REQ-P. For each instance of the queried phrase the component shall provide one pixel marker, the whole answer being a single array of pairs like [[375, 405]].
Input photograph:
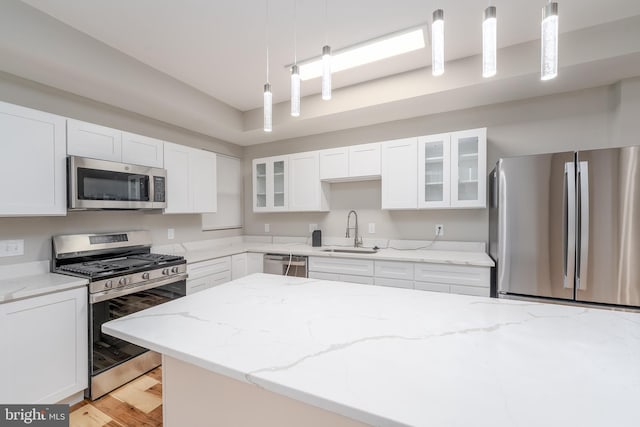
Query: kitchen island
[[276, 350]]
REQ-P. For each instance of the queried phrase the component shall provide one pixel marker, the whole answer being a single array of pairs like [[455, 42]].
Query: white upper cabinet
[[469, 168], [364, 160], [32, 162], [176, 162], [94, 141], [306, 192], [334, 164], [271, 184], [400, 174], [142, 150], [104, 143], [356, 162], [434, 178], [191, 179]]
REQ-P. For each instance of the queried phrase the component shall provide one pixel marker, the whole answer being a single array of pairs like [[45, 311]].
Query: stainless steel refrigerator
[[567, 226]]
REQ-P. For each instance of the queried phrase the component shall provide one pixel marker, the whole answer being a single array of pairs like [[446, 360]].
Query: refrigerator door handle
[[583, 198], [569, 225]]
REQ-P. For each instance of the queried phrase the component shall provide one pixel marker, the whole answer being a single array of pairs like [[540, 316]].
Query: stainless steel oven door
[[108, 353]]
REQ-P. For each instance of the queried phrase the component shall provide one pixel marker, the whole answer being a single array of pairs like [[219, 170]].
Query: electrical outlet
[[439, 230], [11, 248], [267, 228], [372, 228], [171, 233], [313, 227]]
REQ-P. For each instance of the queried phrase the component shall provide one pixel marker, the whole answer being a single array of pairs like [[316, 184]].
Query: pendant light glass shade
[[295, 91], [489, 42], [549, 42], [268, 104], [437, 43], [326, 73]]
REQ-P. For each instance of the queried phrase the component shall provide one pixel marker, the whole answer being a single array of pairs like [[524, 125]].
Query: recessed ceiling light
[[365, 53]]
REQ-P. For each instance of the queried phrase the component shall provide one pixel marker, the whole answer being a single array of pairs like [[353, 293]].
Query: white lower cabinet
[[459, 279], [393, 283], [255, 263], [349, 278], [349, 266], [207, 274], [45, 349]]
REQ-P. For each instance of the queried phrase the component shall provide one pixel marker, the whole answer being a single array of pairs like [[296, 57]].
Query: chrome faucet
[[356, 242]]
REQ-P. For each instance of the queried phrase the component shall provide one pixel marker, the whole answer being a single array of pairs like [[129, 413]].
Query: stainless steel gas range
[[124, 277]]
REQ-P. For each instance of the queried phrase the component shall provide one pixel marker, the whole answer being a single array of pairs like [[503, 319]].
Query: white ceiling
[[219, 47]]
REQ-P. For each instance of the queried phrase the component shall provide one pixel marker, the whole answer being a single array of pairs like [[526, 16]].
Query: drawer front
[[470, 290], [212, 266], [394, 270], [394, 283], [433, 287], [202, 283], [363, 280], [453, 274], [358, 267]]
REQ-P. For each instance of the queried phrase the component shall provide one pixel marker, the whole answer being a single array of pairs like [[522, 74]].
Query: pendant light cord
[[266, 30], [326, 22], [295, 32]]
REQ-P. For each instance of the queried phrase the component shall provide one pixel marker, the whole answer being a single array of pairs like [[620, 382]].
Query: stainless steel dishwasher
[[289, 265]]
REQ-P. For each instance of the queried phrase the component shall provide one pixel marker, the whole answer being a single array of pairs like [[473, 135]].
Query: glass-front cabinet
[[434, 171], [452, 170], [270, 184], [469, 168]]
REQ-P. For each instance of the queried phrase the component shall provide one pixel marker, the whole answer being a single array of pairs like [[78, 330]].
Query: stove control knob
[[108, 284], [174, 270], [165, 271], [122, 281], [145, 276]]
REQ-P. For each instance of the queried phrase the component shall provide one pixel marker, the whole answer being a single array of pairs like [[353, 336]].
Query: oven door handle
[[107, 295]]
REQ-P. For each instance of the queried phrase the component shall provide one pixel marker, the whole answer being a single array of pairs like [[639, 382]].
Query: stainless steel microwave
[[99, 184]]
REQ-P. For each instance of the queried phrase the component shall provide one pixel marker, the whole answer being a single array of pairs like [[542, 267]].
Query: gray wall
[[594, 118], [37, 231]]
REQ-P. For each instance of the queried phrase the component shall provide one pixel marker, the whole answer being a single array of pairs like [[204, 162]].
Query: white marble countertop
[[412, 255], [31, 279], [397, 357]]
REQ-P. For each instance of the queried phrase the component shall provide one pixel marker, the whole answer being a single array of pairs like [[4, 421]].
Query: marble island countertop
[[28, 280], [396, 357]]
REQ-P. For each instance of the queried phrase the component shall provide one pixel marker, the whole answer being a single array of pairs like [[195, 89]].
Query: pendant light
[[326, 60], [437, 43], [489, 42], [268, 101], [549, 41], [295, 71]]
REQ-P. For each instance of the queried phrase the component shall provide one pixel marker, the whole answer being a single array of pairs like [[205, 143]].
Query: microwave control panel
[[158, 188]]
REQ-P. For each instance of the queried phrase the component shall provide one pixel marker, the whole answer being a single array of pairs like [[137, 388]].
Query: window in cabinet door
[[278, 184], [468, 168], [261, 185]]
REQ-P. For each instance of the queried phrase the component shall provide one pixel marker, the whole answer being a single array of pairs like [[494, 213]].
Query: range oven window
[[94, 184], [108, 351]]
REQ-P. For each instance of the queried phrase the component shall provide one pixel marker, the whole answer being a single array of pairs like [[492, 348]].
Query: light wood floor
[[138, 403]]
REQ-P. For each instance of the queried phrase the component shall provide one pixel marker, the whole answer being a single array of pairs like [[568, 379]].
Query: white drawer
[[470, 290], [205, 268], [358, 267], [363, 280], [434, 287], [394, 270], [202, 283], [453, 274], [394, 283]]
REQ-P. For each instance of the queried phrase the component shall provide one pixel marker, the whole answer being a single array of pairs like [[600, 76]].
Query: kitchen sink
[[352, 251]]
